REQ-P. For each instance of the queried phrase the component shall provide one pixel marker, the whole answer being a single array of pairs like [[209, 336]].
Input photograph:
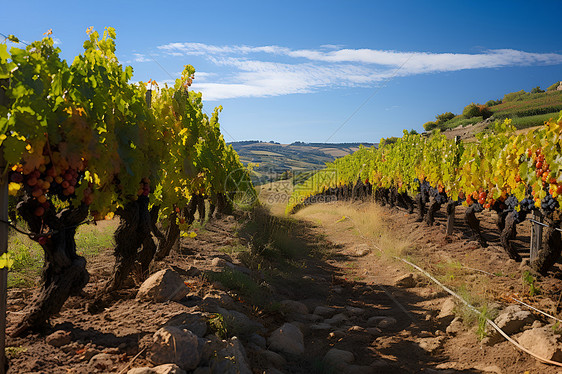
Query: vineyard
[[513, 175], [82, 141]]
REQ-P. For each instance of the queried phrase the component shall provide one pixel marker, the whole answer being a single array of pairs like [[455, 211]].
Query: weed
[[14, 352], [218, 325], [529, 279]]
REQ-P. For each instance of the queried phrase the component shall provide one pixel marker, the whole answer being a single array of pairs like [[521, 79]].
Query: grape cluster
[[527, 204], [511, 202], [549, 204]]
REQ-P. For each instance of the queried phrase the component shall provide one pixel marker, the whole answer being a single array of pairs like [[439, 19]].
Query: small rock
[[430, 345], [360, 250], [543, 342], [338, 359], [511, 320], [320, 326], [59, 338], [232, 359], [354, 311], [175, 345], [194, 322], [168, 369], [337, 319], [257, 340], [338, 290], [489, 369], [219, 298], [162, 286], [287, 339], [446, 315], [387, 322], [524, 264], [274, 358], [406, 281], [144, 370], [324, 311], [239, 323], [358, 369], [292, 306], [374, 331], [218, 262], [102, 362], [455, 327]]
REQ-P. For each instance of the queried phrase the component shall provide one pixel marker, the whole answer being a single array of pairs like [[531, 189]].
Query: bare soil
[[322, 269]]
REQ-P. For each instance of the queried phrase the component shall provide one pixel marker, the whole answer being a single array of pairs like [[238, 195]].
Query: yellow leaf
[[6, 261]]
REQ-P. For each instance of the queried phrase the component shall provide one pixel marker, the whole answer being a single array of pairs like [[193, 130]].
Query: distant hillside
[[525, 109], [281, 161]]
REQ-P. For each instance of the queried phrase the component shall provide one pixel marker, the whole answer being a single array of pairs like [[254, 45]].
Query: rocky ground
[[318, 293]]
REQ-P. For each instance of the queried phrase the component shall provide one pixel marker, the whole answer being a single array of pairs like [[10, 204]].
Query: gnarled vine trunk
[[508, 234], [421, 207], [474, 223], [433, 208], [64, 272]]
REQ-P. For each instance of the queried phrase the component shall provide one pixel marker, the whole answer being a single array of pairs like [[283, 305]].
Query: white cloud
[[140, 58], [274, 70]]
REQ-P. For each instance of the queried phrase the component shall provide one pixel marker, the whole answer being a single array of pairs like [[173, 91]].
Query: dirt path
[[386, 233], [321, 271]]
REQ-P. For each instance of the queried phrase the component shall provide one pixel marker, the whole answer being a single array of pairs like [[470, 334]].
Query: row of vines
[[81, 140], [511, 174]]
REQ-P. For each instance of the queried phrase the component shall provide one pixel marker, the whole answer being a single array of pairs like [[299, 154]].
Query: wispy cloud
[[274, 70]]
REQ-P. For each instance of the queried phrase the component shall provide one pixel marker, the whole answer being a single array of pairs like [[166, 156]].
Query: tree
[[430, 125], [442, 118], [537, 90]]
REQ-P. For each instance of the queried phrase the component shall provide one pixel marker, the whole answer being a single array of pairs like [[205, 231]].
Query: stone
[[446, 314], [231, 359], [406, 281], [324, 311], [287, 339], [336, 319], [274, 358], [511, 320], [431, 345], [354, 311], [374, 331], [292, 306], [359, 369], [219, 298], [194, 322], [59, 338], [218, 262], [168, 369], [144, 370], [543, 342], [238, 323], [257, 340], [162, 286], [386, 323], [360, 250], [320, 326], [102, 362], [338, 359], [175, 345], [455, 327]]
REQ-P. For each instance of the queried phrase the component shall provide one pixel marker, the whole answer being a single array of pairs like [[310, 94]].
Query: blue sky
[[316, 71]]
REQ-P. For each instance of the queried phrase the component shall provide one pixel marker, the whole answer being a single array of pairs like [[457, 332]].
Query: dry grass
[[367, 221]]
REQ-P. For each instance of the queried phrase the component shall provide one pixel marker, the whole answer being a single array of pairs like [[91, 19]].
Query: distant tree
[[493, 102], [537, 90], [413, 132], [554, 87], [471, 110], [428, 126], [513, 96], [442, 118], [476, 110], [391, 140]]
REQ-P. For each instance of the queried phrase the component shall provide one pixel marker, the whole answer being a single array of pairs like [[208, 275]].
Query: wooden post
[[536, 236], [148, 98], [3, 242]]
